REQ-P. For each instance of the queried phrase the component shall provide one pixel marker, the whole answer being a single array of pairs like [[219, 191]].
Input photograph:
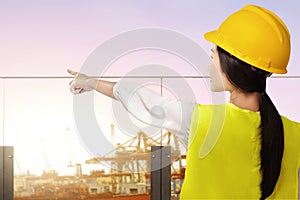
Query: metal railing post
[[6, 173], [160, 172]]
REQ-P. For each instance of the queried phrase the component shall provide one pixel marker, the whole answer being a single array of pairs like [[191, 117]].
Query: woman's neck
[[249, 101]]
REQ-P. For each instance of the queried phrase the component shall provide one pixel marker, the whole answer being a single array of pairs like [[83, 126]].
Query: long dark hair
[[250, 79]]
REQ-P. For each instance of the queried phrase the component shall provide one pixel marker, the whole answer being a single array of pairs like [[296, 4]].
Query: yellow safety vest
[[223, 158]]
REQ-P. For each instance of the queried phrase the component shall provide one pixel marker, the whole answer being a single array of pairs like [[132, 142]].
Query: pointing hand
[[81, 83]]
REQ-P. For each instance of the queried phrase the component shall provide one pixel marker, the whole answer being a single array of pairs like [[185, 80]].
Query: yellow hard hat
[[256, 36]]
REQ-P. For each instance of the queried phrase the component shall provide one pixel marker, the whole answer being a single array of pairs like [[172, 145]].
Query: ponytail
[[251, 79], [272, 144]]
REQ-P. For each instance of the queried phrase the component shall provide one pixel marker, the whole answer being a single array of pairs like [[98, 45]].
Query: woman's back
[[230, 168]]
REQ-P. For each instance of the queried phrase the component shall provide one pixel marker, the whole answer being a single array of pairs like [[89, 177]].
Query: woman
[[257, 154]]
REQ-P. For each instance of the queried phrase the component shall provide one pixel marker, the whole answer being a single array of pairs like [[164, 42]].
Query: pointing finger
[[72, 72]]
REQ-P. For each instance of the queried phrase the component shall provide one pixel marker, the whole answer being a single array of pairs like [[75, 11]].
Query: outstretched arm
[[143, 103]]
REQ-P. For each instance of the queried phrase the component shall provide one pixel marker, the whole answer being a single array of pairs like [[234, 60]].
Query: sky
[[44, 38]]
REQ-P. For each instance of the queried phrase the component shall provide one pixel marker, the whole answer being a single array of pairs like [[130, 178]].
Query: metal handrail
[[107, 76]]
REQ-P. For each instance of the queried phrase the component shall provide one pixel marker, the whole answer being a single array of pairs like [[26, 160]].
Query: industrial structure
[[129, 173]]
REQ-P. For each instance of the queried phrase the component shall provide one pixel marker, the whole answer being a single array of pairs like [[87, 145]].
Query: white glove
[[81, 83]]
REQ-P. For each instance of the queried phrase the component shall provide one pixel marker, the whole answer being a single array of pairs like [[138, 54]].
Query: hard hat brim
[[211, 37]]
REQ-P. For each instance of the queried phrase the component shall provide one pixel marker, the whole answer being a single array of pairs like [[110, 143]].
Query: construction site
[[128, 176]]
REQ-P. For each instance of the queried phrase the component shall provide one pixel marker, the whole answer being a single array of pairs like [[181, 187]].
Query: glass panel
[[38, 123], [54, 158]]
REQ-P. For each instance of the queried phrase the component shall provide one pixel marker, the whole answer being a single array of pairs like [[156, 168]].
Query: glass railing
[[59, 154]]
